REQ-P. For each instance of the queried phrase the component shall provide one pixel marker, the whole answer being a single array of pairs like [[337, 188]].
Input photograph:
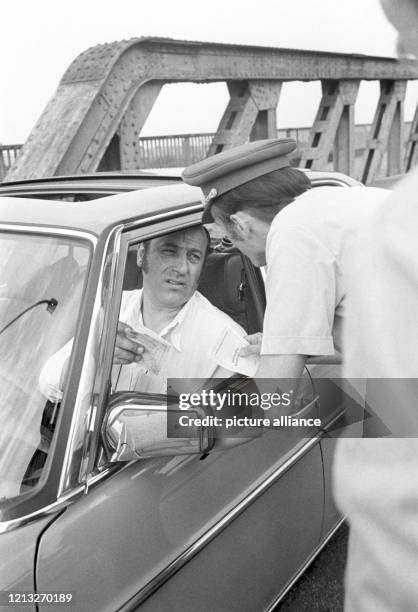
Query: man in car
[[268, 211], [167, 329]]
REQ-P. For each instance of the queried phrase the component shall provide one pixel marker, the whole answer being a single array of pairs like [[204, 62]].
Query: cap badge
[[211, 195]]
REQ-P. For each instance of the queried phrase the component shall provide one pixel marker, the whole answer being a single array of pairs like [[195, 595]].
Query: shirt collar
[[173, 329]]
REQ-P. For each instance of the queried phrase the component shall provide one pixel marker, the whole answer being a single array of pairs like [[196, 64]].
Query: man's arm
[[335, 359], [281, 366], [53, 375], [280, 374]]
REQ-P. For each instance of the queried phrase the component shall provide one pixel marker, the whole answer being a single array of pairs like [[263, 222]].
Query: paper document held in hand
[[155, 349], [226, 354]]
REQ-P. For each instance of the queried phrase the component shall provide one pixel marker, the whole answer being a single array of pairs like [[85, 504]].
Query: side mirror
[[135, 427]]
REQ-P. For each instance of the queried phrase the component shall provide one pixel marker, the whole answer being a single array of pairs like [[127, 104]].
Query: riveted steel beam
[[333, 128], [386, 132], [2, 168], [411, 158], [250, 114], [266, 95], [96, 92], [133, 122]]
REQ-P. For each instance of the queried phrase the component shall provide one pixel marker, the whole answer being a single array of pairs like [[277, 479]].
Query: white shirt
[[307, 251], [376, 480], [193, 335]]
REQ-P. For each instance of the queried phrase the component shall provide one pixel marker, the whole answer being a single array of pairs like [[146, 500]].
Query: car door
[[224, 531], [337, 421]]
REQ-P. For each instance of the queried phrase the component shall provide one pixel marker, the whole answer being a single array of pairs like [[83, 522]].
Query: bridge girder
[[106, 94]]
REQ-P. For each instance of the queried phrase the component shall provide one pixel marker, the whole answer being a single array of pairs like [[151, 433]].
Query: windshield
[[34, 268]]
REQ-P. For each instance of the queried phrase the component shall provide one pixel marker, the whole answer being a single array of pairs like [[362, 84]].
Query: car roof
[[119, 181], [97, 183], [96, 216], [118, 198]]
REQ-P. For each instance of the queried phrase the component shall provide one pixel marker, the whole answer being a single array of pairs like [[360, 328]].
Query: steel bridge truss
[[95, 117]]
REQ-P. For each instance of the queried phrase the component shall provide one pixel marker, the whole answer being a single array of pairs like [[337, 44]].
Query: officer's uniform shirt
[[307, 251], [376, 480]]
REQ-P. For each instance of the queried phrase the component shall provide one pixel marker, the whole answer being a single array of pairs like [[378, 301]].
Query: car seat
[[224, 282]]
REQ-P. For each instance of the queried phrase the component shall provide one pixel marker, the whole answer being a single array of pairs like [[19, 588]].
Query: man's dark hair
[[264, 196], [146, 243], [208, 247]]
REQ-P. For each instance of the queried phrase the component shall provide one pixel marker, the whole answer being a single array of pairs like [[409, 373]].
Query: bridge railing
[[173, 151], [180, 150], [8, 154]]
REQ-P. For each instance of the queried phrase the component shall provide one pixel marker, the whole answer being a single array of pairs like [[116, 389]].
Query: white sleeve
[[50, 383], [301, 294]]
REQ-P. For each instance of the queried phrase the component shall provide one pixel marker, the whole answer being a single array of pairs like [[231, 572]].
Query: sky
[[39, 39]]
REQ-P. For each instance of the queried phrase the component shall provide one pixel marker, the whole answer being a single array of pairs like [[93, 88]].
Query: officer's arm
[[279, 373], [254, 348], [281, 366], [335, 359]]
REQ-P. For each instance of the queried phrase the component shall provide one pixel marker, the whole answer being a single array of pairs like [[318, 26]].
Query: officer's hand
[[254, 346], [127, 350]]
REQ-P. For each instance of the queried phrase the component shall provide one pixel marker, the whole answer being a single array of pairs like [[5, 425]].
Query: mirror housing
[[135, 427]]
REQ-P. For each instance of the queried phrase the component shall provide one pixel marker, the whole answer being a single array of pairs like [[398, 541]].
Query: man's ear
[[140, 255], [241, 222]]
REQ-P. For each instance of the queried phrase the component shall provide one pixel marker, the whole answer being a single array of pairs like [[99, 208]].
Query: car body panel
[[17, 560], [239, 570], [131, 527], [331, 512]]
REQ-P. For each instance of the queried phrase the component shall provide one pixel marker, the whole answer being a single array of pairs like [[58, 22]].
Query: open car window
[[225, 298]]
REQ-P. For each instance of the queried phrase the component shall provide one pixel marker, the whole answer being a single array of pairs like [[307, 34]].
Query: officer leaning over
[[270, 213]]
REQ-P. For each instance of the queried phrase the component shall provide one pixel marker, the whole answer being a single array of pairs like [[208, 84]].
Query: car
[[223, 523]]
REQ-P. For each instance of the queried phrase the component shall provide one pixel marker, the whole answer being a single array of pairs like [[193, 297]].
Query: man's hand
[[254, 346], [127, 350]]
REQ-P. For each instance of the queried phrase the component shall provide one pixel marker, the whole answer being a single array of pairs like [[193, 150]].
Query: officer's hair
[[264, 196]]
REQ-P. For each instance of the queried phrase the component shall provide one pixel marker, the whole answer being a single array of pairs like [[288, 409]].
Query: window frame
[[43, 498], [185, 218]]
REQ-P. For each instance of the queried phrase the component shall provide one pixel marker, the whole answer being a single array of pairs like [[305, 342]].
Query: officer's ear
[[241, 223], [140, 256]]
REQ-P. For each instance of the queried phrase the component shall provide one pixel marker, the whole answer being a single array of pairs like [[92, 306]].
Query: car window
[[41, 284], [169, 284], [177, 302]]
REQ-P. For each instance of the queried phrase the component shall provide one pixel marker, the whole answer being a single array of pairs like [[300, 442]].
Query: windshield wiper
[[52, 303]]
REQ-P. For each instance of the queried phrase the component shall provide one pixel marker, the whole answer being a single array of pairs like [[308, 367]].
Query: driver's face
[[172, 266]]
